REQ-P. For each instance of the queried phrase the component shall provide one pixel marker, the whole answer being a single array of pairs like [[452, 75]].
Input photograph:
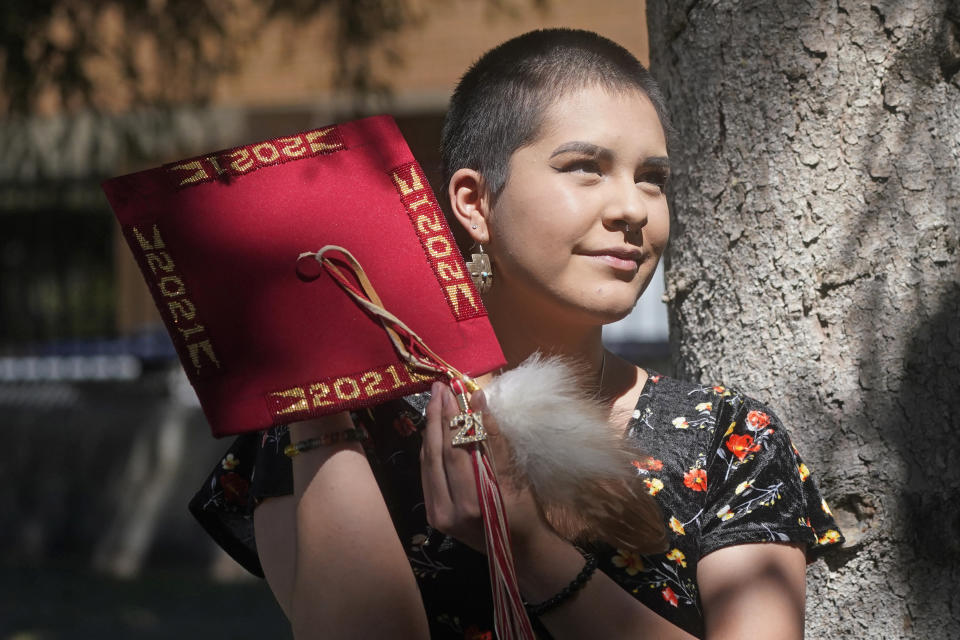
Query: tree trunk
[[815, 263]]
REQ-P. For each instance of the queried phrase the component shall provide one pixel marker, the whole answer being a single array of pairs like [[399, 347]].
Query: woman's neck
[[523, 330]]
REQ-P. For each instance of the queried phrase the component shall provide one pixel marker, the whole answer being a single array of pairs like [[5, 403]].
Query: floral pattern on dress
[[716, 487]]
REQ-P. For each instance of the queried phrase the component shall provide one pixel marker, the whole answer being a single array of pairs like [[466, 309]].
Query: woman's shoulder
[[694, 412], [729, 460], [672, 409], [667, 392]]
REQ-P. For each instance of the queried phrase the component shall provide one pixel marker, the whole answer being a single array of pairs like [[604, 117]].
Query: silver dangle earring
[[480, 270]]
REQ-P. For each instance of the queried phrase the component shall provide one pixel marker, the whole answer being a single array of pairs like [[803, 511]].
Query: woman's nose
[[625, 206]]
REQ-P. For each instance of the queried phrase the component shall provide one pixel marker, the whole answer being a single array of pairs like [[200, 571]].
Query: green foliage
[[70, 48]]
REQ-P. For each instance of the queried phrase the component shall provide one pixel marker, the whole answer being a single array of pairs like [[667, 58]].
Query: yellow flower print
[[677, 556], [680, 423], [723, 391], [804, 471], [826, 509], [229, 463], [742, 487], [677, 526], [629, 561], [704, 406], [654, 485], [730, 429], [725, 513], [830, 537]]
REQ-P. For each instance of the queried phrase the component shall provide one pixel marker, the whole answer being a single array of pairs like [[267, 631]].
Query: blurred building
[[74, 311]]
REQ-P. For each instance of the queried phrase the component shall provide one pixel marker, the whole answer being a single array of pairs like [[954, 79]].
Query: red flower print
[[234, 487], [669, 596], [741, 445], [403, 425], [655, 379], [649, 463], [757, 420], [696, 479], [473, 633]]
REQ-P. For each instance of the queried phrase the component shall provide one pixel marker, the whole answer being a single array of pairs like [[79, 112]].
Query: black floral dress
[[720, 464]]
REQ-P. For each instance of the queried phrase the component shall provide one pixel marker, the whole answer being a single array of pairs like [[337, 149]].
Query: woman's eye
[[656, 179], [583, 166]]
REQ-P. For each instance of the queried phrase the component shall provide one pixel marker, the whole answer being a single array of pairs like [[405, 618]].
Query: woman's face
[[582, 220]]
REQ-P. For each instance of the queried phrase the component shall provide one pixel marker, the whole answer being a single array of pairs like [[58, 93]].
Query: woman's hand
[[449, 484]]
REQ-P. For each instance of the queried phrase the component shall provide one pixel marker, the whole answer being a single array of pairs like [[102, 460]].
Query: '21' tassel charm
[[510, 616]]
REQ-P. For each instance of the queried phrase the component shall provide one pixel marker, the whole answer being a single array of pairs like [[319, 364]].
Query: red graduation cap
[[266, 338]]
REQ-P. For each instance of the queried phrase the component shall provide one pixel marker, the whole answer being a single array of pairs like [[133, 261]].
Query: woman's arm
[[753, 586], [348, 575], [602, 609], [747, 591]]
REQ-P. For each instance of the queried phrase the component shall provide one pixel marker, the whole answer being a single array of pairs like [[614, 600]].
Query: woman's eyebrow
[[658, 161], [602, 153], [585, 148]]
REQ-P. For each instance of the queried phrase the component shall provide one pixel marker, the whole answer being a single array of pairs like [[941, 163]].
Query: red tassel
[[510, 616]]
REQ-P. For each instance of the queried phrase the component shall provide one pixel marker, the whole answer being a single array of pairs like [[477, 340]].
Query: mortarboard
[[264, 337]]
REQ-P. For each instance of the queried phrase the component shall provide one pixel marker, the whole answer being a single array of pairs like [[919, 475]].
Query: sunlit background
[[103, 442]]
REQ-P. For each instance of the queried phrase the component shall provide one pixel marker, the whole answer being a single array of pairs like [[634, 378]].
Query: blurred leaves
[[111, 55]]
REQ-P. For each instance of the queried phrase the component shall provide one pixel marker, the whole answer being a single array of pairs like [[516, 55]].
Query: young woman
[[555, 152]]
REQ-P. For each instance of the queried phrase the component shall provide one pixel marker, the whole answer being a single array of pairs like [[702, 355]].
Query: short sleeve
[[224, 504], [760, 490]]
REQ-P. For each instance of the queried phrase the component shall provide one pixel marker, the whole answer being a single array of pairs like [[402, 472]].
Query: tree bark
[[815, 263]]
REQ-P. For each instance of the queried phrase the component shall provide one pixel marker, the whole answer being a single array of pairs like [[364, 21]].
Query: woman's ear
[[470, 203]]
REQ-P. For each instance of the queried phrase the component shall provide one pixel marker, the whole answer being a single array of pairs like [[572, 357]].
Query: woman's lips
[[619, 260], [616, 262]]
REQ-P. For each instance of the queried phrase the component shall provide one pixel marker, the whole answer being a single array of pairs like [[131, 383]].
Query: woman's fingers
[[432, 474], [457, 462], [496, 446], [449, 486], [478, 400]]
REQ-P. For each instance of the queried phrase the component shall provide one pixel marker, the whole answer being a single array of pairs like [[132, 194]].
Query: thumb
[[478, 401]]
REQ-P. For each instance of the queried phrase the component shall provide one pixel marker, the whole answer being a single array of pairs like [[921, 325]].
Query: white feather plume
[[553, 426], [577, 464]]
